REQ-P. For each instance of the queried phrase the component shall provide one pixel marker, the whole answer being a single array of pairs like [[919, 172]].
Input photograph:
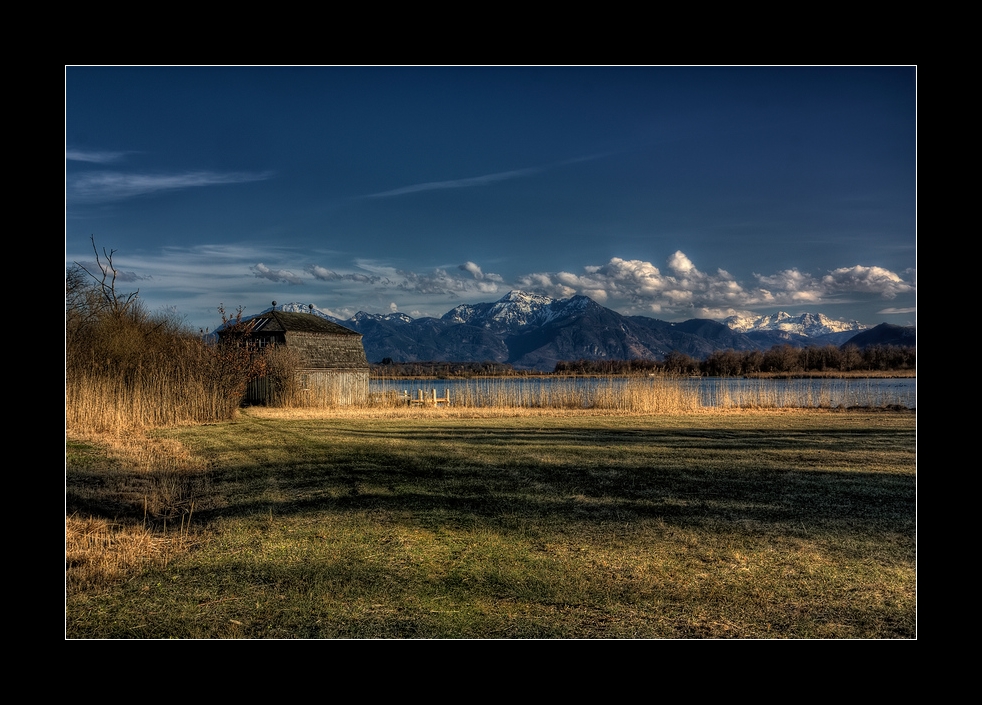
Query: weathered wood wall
[[319, 388], [328, 351]]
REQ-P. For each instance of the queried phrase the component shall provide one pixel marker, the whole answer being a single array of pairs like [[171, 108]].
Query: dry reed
[[637, 395], [102, 403]]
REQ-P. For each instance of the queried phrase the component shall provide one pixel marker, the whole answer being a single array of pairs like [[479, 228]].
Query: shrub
[[126, 368]]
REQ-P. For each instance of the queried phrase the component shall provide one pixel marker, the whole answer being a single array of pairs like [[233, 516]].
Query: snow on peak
[[518, 309], [807, 324], [361, 316], [514, 310], [524, 298]]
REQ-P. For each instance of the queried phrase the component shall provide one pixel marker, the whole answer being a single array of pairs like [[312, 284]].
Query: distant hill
[[535, 332], [885, 334]]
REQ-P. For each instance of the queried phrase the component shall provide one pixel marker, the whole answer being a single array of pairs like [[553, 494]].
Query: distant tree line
[[780, 359], [443, 370]]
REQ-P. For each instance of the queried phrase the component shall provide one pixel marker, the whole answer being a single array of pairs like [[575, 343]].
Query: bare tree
[[116, 304]]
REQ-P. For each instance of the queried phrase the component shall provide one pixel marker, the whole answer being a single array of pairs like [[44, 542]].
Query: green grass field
[[433, 524]]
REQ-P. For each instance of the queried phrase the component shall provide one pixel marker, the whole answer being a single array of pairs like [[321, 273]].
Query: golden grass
[[146, 480], [526, 523], [99, 552]]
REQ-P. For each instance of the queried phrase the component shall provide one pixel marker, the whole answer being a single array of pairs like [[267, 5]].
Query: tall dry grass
[[105, 403], [636, 395], [133, 370], [647, 395], [655, 394], [829, 393]]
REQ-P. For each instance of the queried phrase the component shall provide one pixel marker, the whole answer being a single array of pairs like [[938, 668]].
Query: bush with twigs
[[128, 369]]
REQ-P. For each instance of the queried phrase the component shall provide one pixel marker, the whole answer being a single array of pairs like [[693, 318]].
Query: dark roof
[[280, 321]]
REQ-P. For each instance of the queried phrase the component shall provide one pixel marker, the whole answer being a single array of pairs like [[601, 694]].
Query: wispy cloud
[[93, 156], [457, 183], [113, 186], [98, 269], [485, 179]]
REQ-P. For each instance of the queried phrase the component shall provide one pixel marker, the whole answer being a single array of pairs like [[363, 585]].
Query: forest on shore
[[783, 360]]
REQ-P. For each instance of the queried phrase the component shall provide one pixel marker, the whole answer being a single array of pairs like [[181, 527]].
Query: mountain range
[[535, 332]]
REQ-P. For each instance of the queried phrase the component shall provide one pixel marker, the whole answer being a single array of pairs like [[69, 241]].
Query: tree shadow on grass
[[738, 477]]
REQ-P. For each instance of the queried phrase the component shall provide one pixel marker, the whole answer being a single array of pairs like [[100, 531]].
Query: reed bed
[[805, 394], [102, 403], [650, 394]]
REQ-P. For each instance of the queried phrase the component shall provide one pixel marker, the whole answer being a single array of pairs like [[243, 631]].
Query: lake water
[[711, 391]]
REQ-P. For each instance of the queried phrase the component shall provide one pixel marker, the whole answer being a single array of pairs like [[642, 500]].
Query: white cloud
[[638, 285], [874, 280], [322, 273], [473, 269], [790, 286], [440, 282], [328, 275], [681, 264], [276, 275]]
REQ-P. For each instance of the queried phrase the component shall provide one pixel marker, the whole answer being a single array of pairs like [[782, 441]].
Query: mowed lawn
[[434, 524]]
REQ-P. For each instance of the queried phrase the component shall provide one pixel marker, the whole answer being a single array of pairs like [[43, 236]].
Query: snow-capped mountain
[[361, 317], [514, 311], [534, 332], [294, 307], [810, 325]]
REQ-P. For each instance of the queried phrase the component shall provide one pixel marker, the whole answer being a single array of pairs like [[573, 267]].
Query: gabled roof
[[280, 321]]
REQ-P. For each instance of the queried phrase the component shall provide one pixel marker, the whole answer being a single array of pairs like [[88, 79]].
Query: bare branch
[[116, 303]]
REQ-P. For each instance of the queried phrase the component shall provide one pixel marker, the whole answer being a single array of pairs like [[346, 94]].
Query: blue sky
[[671, 192]]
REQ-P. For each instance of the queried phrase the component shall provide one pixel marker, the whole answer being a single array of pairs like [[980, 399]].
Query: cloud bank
[[639, 286], [678, 289], [682, 286]]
